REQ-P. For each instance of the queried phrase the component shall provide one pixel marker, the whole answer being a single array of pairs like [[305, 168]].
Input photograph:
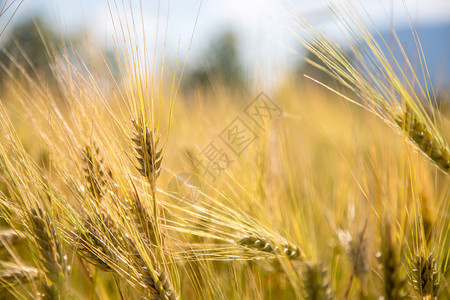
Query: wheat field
[[130, 187]]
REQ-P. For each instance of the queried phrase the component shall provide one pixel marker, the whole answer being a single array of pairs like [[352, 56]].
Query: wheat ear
[[10, 237], [94, 171], [426, 141], [315, 282], [358, 255], [98, 245], [157, 284], [142, 218], [394, 283], [357, 251], [148, 157], [150, 160], [53, 261], [17, 275], [425, 276], [266, 245]]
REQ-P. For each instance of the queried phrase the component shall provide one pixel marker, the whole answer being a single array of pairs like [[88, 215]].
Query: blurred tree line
[[218, 66], [32, 46], [25, 47]]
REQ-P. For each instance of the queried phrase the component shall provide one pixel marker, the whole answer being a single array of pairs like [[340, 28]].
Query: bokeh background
[[247, 41]]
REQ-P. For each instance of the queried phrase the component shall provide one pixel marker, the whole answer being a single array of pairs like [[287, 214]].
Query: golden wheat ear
[[148, 157], [265, 245], [425, 276], [95, 173], [142, 217], [14, 275], [10, 237], [390, 257], [94, 247], [53, 261], [156, 282], [316, 284], [378, 80], [433, 147], [100, 242], [359, 256]]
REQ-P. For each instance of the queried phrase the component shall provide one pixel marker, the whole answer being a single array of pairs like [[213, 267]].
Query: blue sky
[[264, 42]]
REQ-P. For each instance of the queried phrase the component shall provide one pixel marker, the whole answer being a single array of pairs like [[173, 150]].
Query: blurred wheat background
[[238, 150]]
